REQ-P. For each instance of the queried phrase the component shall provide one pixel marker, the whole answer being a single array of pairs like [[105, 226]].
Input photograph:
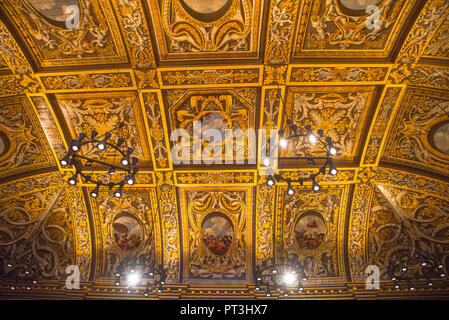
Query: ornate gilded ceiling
[[380, 91]]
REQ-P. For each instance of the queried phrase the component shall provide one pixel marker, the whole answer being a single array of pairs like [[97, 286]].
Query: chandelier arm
[[100, 162], [107, 143]]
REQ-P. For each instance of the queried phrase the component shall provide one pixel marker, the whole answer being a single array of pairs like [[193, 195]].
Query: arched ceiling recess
[[383, 91]]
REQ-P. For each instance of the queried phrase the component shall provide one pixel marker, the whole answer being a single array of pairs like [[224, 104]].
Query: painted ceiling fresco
[[379, 89]]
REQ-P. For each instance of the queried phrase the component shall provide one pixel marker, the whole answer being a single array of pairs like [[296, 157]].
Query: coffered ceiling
[[378, 88]]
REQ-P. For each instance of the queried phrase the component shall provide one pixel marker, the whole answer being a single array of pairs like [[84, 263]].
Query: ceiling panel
[[204, 29], [342, 28]]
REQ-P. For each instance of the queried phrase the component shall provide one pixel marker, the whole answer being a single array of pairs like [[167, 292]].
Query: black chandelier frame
[[268, 277], [149, 275], [128, 163], [327, 147], [432, 271]]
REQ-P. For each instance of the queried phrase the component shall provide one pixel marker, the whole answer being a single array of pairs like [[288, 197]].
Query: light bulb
[[130, 181], [133, 279], [72, 179], [283, 143], [315, 186], [266, 162], [333, 151], [65, 161], [289, 278], [312, 138]]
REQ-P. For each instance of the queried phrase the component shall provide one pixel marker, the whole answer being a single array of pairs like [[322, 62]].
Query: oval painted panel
[[127, 231], [213, 121], [309, 231], [217, 233], [4, 143], [439, 137], [55, 11]]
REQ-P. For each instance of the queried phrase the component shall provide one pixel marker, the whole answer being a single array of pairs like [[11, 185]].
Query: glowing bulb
[[266, 162], [133, 279], [312, 138], [333, 151], [291, 191], [101, 146], [283, 143], [289, 278], [270, 180]]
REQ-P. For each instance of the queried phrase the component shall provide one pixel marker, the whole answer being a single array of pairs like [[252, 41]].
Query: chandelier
[[82, 163], [283, 276], [420, 266], [133, 273], [308, 137]]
